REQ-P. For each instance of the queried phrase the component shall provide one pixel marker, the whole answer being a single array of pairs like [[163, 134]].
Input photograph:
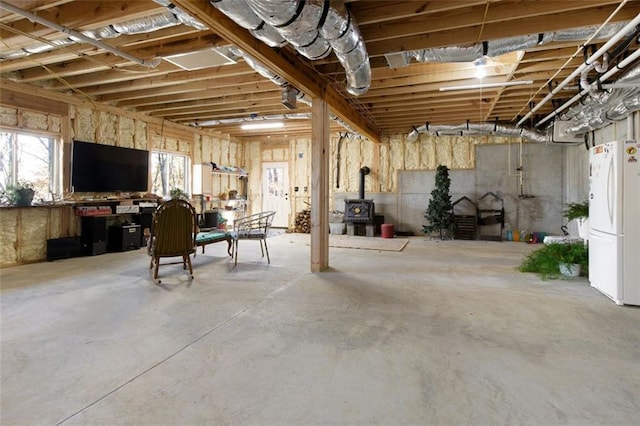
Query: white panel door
[[275, 192]]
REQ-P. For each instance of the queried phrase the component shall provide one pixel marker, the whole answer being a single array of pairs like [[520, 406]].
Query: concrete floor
[[442, 333]]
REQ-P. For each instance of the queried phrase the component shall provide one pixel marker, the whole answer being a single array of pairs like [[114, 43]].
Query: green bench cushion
[[211, 237]]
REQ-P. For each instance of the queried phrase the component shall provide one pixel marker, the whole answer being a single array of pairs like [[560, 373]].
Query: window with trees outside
[[27, 157], [169, 171]]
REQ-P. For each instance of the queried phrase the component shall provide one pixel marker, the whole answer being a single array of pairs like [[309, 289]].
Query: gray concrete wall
[[552, 176], [497, 172]]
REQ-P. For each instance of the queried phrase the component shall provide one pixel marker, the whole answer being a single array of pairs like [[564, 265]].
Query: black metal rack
[[489, 217], [466, 223]]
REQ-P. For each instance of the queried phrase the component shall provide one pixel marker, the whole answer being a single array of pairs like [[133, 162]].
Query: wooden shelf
[[222, 172]]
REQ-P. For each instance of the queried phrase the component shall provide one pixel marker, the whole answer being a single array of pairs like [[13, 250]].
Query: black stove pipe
[[363, 171]]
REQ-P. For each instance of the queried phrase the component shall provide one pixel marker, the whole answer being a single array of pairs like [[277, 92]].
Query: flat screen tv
[[104, 168]]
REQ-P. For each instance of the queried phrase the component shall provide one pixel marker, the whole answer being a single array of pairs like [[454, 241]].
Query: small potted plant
[[570, 257], [19, 194], [580, 213], [177, 193]]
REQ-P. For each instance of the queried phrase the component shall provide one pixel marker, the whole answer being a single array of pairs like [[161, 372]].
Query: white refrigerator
[[614, 220]]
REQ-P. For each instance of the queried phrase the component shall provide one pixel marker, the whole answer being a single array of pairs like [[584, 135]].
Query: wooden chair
[[252, 227], [173, 234]]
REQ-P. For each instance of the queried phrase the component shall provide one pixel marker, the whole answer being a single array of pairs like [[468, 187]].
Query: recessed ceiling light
[[262, 125]]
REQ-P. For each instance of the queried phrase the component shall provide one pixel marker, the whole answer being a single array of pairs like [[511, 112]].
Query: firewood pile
[[303, 222]]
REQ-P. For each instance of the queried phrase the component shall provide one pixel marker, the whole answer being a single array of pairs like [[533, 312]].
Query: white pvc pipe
[[35, 18], [627, 29], [606, 76]]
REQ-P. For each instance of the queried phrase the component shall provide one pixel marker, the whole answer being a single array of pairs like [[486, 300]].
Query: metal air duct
[[497, 47], [313, 27], [477, 129]]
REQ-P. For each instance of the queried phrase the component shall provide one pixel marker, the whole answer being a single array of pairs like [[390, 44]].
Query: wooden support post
[[319, 185]]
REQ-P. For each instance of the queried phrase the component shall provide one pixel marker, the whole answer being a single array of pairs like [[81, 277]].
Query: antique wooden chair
[[173, 233], [253, 227]]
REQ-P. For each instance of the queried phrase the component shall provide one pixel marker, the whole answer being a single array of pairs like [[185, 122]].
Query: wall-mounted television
[[105, 168]]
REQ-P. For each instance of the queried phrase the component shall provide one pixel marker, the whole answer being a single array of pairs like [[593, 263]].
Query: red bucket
[[387, 230]]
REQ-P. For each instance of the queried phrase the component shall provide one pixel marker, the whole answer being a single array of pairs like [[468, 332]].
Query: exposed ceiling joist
[[287, 67]]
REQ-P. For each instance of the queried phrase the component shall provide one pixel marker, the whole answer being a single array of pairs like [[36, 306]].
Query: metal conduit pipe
[[604, 77], [627, 28], [35, 18]]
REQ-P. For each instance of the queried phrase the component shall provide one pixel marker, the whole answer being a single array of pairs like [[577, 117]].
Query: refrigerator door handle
[[610, 190]]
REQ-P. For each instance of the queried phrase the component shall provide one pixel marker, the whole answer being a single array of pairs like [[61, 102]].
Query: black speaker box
[[94, 235], [94, 249], [64, 248], [126, 237]]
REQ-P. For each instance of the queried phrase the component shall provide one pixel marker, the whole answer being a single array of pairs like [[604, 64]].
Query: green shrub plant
[[545, 260]]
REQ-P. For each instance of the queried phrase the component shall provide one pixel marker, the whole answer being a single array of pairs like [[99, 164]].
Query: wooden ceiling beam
[[378, 11], [288, 67], [215, 103], [498, 30], [213, 84], [197, 93], [472, 16]]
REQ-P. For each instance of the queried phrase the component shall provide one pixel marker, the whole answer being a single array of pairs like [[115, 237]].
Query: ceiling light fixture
[[262, 125], [487, 85], [480, 65]]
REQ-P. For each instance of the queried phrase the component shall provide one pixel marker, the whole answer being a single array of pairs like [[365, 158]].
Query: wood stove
[[360, 211]]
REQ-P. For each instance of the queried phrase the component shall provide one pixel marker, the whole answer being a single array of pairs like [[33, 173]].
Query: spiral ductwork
[[498, 47], [604, 107], [313, 27]]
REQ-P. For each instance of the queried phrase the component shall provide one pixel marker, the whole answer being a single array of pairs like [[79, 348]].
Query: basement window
[[34, 158], [169, 171]]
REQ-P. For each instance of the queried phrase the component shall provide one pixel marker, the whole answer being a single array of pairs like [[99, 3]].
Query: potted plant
[[177, 193], [19, 194], [580, 213], [570, 257]]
